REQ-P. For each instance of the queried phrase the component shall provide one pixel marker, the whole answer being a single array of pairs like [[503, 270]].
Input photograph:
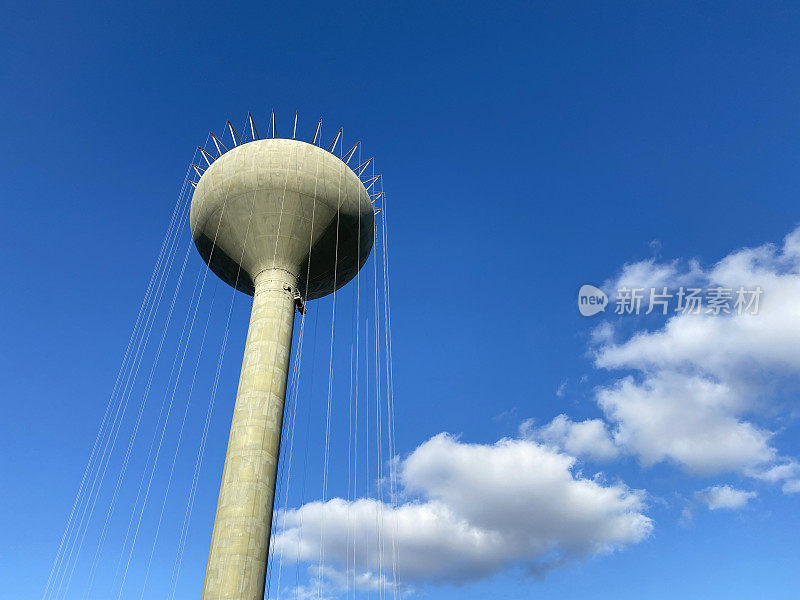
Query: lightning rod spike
[[217, 143], [364, 165], [294, 131], [336, 139], [349, 154], [253, 130], [233, 133], [316, 133], [205, 155]]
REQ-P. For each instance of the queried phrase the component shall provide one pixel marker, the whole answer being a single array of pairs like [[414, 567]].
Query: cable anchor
[[299, 302]]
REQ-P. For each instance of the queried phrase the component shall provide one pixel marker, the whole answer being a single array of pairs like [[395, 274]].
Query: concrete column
[[237, 560]]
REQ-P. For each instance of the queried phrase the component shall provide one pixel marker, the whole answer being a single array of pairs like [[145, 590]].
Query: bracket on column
[[299, 303]]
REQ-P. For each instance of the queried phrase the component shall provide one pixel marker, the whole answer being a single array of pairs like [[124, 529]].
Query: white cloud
[[779, 472], [705, 385], [589, 438], [307, 592], [722, 345], [724, 496], [646, 274], [603, 334], [791, 487], [787, 471], [699, 393], [690, 420], [476, 510]]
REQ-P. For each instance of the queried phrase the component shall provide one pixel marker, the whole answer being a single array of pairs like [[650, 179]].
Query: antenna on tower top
[[274, 131], [294, 131]]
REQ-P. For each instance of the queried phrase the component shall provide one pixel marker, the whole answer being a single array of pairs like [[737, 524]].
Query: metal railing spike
[[336, 139], [316, 133], [234, 135], [218, 143], [349, 154], [253, 130], [360, 168], [206, 156]]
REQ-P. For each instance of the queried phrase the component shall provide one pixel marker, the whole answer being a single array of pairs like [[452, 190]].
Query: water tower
[[284, 221]]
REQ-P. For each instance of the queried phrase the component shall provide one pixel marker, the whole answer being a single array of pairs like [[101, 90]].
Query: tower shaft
[[237, 559]]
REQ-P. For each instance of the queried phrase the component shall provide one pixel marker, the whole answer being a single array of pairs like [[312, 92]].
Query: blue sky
[[526, 150]]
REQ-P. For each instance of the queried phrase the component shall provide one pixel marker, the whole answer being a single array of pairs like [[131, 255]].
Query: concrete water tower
[[284, 221]]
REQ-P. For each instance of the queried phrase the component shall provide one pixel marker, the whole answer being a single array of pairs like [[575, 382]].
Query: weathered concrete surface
[[238, 557], [270, 217], [267, 203]]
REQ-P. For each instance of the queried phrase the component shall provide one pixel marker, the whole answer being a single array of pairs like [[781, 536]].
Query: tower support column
[[237, 559]]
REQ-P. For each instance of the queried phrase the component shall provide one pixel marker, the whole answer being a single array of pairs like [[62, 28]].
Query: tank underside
[[319, 278]]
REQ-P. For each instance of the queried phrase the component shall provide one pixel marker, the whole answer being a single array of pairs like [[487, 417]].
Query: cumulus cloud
[[471, 510], [724, 496], [589, 438], [704, 385], [690, 420], [721, 345], [699, 392]]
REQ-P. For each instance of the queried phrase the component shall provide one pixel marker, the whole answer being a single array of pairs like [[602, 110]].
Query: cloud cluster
[[471, 510], [700, 390], [700, 393], [701, 382]]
